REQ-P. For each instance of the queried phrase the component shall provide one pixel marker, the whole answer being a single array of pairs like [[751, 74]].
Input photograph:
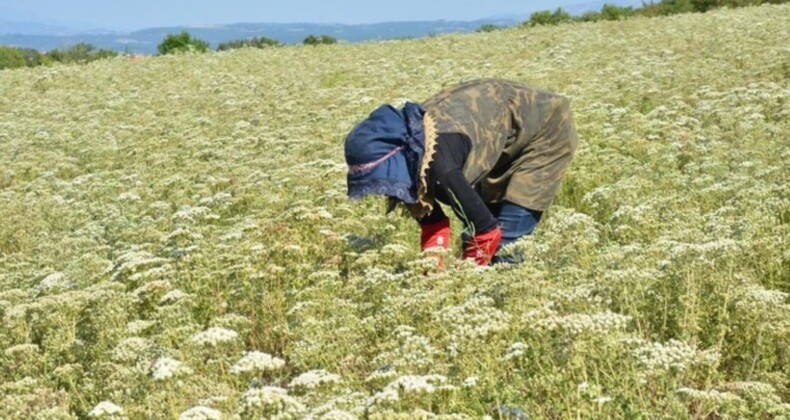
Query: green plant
[[542, 17], [590, 17], [33, 57], [613, 12], [319, 40], [182, 42], [183, 246], [256, 42], [489, 27], [80, 53], [546, 17], [11, 58]]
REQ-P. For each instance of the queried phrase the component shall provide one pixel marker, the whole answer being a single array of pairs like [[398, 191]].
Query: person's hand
[[483, 246], [436, 236]]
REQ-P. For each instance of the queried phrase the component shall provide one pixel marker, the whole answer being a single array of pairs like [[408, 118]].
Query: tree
[[546, 17], [104, 53], [33, 58], [542, 17], [80, 53], [590, 17], [671, 7], [11, 58], [183, 42], [489, 27], [560, 16], [256, 42], [613, 12], [319, 40]]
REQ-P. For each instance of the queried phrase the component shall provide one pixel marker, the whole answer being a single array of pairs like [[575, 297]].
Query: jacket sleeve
[[451, 186]]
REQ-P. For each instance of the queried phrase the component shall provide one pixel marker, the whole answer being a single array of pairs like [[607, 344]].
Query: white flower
[[242, 125], [129, 196], [381, 375], [130, 350], [27, 350], [139, 326], [336, 414], [134, 261], [515, 351], [200, 413], [257, 361], [413, 351], [269, 401], [191, 214], [322, 213], [673, 354], [470, 382], [232, 321], [574, 324], [213, 401], [166, 368], [159, 205], [475, 319], [410, 385], [766, 297], [172, 297], [313, 379], [233, 235], [711, 395], [51, 282], [214, 336], [151, 289], [105, 408]]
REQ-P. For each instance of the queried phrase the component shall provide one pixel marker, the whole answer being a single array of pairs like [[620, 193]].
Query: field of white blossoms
[[175, 240]]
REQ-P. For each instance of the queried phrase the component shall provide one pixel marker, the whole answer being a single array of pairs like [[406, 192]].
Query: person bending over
[[493, 150]]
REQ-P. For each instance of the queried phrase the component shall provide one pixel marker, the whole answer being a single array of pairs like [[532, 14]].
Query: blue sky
[[138, 14]]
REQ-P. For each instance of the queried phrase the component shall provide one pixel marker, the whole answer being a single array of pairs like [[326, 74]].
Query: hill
[[145, 41], [176, 239], [46, 36]]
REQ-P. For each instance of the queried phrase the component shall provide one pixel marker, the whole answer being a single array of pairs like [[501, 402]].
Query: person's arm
[[465, 202], [482, 234], [452, 188]]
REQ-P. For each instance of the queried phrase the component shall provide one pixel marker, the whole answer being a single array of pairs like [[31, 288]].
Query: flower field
[[175, 240]]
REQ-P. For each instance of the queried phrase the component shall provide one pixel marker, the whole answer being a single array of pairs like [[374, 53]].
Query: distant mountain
[[18, 22], [30, 28], [145, 41], [47, 36]]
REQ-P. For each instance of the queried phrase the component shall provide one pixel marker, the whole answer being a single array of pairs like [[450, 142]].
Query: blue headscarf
[[384, 153]]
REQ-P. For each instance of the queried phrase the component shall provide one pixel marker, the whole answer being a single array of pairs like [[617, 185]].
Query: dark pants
[[515, 222]]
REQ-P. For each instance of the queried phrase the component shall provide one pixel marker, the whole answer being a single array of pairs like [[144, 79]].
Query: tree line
[[12, 57], [614, 12], [184, 42]]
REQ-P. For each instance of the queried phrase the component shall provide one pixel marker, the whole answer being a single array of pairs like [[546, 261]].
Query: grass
[[171, 225]]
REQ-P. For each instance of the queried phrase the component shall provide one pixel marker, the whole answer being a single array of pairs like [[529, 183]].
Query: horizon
[[126, 17]]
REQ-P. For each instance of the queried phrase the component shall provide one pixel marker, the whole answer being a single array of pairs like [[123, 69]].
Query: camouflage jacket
[[523, 140]]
